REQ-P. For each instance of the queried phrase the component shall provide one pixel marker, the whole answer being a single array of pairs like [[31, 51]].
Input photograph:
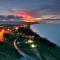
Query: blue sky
[[29, 4], [43, 7]]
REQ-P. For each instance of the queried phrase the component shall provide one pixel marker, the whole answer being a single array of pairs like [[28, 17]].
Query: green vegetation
[[46, 49]]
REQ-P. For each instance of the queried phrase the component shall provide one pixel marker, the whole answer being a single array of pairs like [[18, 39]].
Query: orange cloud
[[27, 16]]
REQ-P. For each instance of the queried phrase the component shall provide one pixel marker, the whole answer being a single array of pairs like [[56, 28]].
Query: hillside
[[46, 50]]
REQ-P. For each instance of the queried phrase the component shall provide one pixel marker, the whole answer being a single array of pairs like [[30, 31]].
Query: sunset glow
[[27, 16]]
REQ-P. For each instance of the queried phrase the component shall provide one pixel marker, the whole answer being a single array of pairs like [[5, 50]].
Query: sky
[[42, 8]]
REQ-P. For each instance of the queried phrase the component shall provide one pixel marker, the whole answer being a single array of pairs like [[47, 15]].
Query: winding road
[[25, 56], [16, 47]]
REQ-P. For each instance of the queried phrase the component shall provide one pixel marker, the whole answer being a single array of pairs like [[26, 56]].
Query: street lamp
[[30, 41], [33, 45]]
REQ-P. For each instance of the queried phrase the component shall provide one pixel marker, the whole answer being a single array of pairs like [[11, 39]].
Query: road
[[25, 56]]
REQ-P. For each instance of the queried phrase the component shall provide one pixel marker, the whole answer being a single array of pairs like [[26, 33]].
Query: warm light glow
[[33, 45], [20, 26], [1, 35], [16, 28], [30, 41], [3, 30], [8, 31]]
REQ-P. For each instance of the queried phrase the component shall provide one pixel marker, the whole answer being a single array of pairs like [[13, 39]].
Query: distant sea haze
[[49, 31]]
